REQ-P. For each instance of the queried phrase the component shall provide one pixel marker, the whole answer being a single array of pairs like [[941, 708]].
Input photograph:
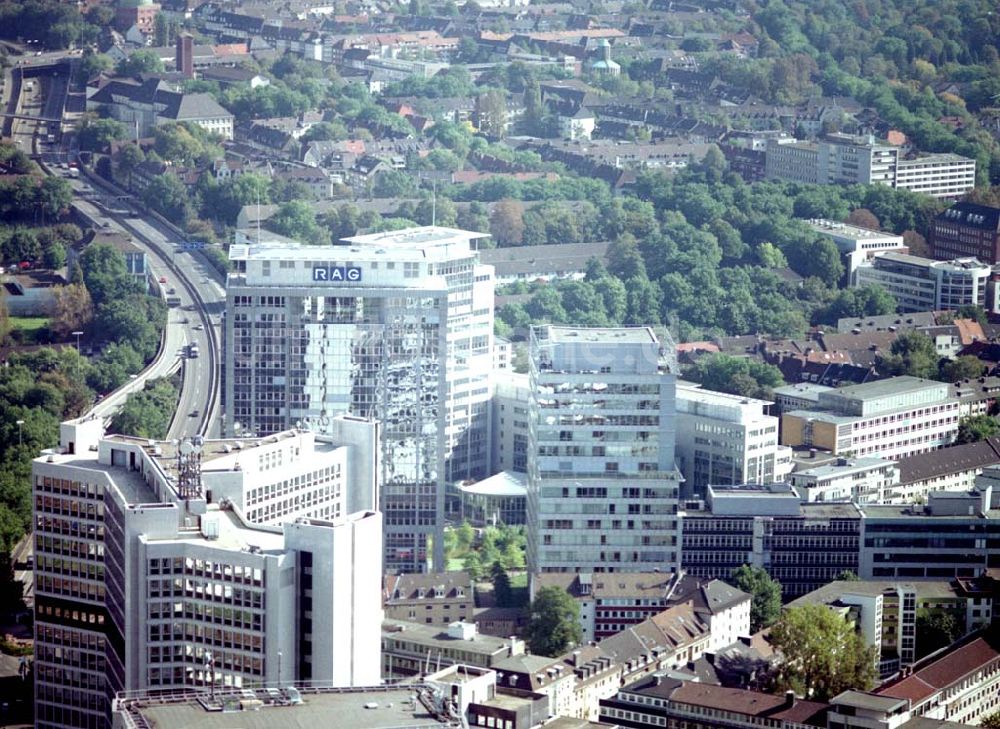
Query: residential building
[[543, 263], [602, 484], [967, 229], [923, 284], [611, 603], [30, 293], [959, 685], [951, 536], [802, 545], [888, 418], [409, 648], [550, 677], [663, 701], [725, 439], [857, 244], [885, 611], [140, 14], [955, 468], [432, 599], [859, 709], [142, 106], [150, 573], [863, 480], [395, 326]]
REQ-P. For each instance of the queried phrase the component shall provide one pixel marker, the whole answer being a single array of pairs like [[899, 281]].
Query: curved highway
[[193, 280]]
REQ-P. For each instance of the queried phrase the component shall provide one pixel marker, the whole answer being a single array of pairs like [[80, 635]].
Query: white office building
[[856, 244], [395, 326], [862, 480], [511, 400], [842, 159], [602, 483], [150, 576], [923, 284], [889, 418], [725, 439]]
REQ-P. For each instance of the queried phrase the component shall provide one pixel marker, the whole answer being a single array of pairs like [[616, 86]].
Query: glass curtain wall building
[[394, 326]]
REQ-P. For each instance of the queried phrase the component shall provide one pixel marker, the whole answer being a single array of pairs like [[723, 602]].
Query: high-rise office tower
[[395, 326], [150, 576], [602, 483]]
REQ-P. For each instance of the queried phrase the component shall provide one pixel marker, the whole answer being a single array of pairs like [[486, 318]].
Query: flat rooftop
[[133, 487], [623, 335], [832, 592], [395, 710], [885, 388], [422, 236], [832, 227]]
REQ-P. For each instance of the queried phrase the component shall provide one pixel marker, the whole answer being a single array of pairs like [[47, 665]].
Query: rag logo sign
[[336, 274]]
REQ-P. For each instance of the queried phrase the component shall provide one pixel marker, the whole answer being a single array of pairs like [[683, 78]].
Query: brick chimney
[[185, 55]]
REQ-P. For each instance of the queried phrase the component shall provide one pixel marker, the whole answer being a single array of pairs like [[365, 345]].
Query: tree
[[913, 353], [502, 591], [765, 595], [975, 428], [96, 134], [128, 159], [54, 196], [554, 626], [864, 218], [935, 630], [736, 375], [167, 195], [991, 722], [394, 183], [507, 223], [822, 654], [965, 367], [71, 311], [106, 274], [147, 414], [93, 64], [140, 62], [848, 576], [916, 243], [491, 113], [297, 219]]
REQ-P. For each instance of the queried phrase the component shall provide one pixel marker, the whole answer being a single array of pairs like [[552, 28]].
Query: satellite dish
[[186, 448]]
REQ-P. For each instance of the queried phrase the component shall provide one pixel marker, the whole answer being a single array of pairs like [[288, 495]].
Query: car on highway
[[163, 279], [194, 413], [198, 327]]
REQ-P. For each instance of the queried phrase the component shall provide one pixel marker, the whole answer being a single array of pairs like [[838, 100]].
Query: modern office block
[[802, 545], [843, 159], [726, 439], [954, 535], [395, 326], [889, 418], [923, 284], [150, 576], [857, 244], [511, 395], [602, 484]]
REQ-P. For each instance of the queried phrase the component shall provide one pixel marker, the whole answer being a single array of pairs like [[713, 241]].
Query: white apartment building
[[923, 284], [889, 418], [602, 483], [395, 326], [511, 401], [855, 243], [944, 176], [150, 576], [842, 159], [726, 439], [863, 480]]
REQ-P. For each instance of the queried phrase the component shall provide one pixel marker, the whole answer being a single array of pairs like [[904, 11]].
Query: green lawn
[[29, 327]]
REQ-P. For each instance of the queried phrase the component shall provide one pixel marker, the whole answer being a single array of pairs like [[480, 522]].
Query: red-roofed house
[[962, 684]]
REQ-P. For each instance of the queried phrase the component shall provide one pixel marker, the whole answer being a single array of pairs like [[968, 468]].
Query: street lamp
[[77, 335], [279, 669], [20, 428]]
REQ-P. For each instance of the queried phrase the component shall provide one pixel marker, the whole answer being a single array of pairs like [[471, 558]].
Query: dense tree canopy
[[765, 594], [554, 626]]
